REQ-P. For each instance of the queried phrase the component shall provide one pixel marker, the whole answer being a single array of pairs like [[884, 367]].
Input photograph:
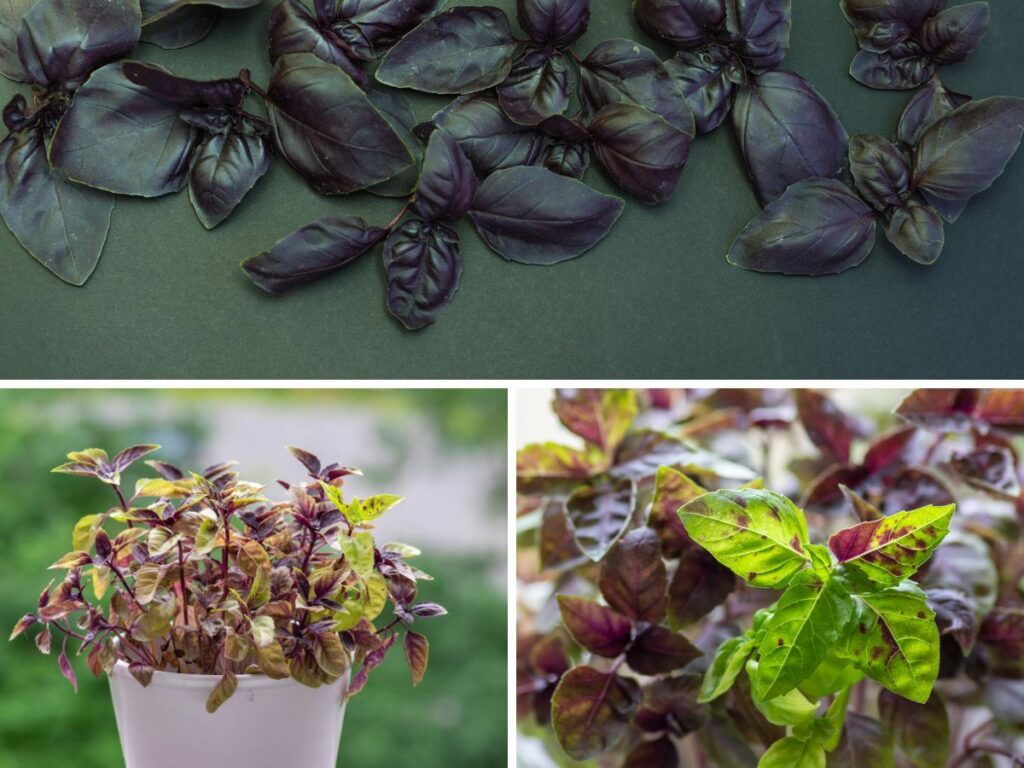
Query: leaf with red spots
[[802, 630], [672, 490], [599, 629], [759, 535], [895, 640], [591, 711], [895, 547]]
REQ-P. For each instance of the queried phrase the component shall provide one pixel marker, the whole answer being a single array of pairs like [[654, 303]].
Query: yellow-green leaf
[[376, 595], [100, 581], [252, 557], [84, 532], [159, 488], [792, 708], [263, 631], [330, 654], [272, 661], [348, 617], [259, 593], [158, 619], [160, 541], [790, 752], [206, 535], [224, 690], [725, 667], [236, 646], [371, 508], [358, 550], [147, 579]]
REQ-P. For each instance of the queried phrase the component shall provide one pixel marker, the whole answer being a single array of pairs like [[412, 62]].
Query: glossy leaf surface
[[225, 168], [904, 66], [658, 650], [489, 139], [951, 35], [880, 171], [424, 266], [538, 86], [917, 231], [759, 31], [685, 24], [726, 666], [447, 182], [554, 22], [293, 29], [708, 79], [370, 27]]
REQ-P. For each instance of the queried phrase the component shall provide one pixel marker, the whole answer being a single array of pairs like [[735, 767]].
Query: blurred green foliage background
[[456, 717]]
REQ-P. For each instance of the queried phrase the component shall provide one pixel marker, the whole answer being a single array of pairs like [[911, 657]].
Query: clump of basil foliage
[[903, 44], [207, 576]]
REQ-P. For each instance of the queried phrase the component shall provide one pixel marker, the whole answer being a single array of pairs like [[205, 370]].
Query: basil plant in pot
[[219, 615]]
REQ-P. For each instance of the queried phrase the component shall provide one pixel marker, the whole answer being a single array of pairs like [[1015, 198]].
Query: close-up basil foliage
[[741, 578], [510, 153]]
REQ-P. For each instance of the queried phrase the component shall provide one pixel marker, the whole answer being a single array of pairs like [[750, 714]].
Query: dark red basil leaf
[[66, 668], [620, 70], [916, 231], [964, 152], [831, 430], [591, 711], [428, 610], [641, 151], [292, 29], [463, 50], [759, 31], [817, 227], [594, 627], [558, 23], [534, 216], [881, 25], [395, 108], [186, 26], [489, 139], [1002, 634], [880, 171], [955, 616], [862, 509], [942, 410], [787, 133], [557, 545], [327, 128], [599, 515], [675, 699], [927, 105], [863, 745], [312, 252], [912, 488], [919, 731], [566, 158], [424, 265], [660, 753], [633, 578], [658, 650], [951, 35], [989, 468], [708, 79], [63, 226], [61, 41], [11, 14], [699, 585], [224, 168], [685, 24], [372, 26], [538, 87], [447, 183], [903, 66], [130, 455], [122, 132]]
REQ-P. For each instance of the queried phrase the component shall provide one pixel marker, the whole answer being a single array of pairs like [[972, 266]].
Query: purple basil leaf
[[224, 168], [11, 14], [312, 252], [395, 108], [595, 627], [759, 31], [489, 139], [951, 36], [61, 41], [916, 231], [881, 25], [927, 105], [65, 666], [880, 171], [327, 128], [708, 79], [659, 650], [566, 158], [554, 22], [130, 455], [641, 151], [949, 210], [424, 266], [863, 743], [817, 227], [955, 615], [372, 26], [463, 50], [538, 87], [620, 70], [633, 578], [900, 68], [63, 226], [660, 753], [685, 24], [534, 216], [122, 132], [787, 133], [447, 183], [964, 152], [428, 610], [599, 515], [186, 26], [591, 710], [292, 29]]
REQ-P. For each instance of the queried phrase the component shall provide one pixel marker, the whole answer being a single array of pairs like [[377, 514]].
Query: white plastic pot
[[266, 724]]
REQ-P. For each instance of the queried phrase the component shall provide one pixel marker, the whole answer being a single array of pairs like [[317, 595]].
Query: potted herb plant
[[209, 593]]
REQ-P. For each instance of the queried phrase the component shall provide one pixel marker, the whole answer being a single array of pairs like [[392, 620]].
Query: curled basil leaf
[[916, 230], [63, 226], [880, 171], [311, 252], [447, 183], [538, 87], [759, 31], [327, 128], [881, 25], [787, 133], [903, 66], [62, 41], [566, 146], [554, 22], [951, 36], [534, 216], [226, 166], [641, 151], [817, 227], [372, 26], [463, 50], [685, 24], [293, 29], [424, 266], [708, 79]]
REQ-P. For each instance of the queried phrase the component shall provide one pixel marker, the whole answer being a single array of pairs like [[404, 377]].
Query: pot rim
[[164, 679]]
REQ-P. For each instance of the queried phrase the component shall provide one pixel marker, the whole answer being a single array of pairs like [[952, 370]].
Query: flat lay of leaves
[[527, 114], [205, 575], [675, 611]]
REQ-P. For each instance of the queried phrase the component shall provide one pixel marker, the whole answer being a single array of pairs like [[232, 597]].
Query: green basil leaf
[[729, 660]]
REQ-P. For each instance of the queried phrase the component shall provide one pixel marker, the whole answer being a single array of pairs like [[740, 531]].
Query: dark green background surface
[[655, 299]]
